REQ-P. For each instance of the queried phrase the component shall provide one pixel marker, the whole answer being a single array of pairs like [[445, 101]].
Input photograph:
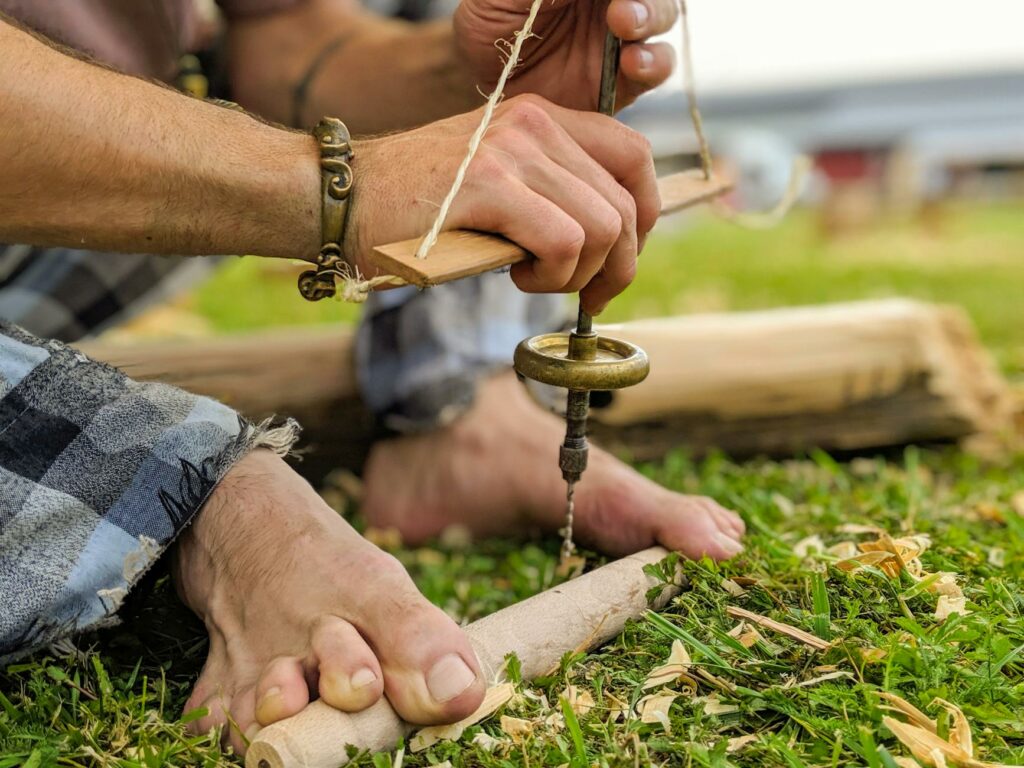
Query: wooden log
[[843, 377], [461, 253], [578, 615]]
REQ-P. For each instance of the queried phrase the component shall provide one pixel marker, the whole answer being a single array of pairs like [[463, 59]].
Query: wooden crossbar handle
[[575, 616], [461, 253]]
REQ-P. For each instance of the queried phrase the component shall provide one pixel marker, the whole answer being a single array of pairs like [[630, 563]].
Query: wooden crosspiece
[[462, 253]]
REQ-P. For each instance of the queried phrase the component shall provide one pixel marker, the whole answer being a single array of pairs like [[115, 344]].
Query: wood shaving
[[733, 588], [920, 735], [616, 707], [820, 679], [713, 706], [580, 702], [806, 546], [570, 567], [654, 709], [674, 668], [1017, 503], [777, 626], [516, 728], [494, 699], [488, 743], [739, 742], [872, 655]]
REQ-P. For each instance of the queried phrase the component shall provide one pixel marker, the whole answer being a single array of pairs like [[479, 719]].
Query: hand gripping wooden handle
[[461, 253], [578, 615]]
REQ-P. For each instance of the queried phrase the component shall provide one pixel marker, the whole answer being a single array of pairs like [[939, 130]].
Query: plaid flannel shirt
[[98, 475]]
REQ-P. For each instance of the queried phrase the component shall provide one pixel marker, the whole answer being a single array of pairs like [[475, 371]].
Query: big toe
[[431, 673]]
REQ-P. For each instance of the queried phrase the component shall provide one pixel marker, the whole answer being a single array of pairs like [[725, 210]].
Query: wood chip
[[806, 546], [821, 679], [920, 735], [714, 706], [580, 702], [570, 567], [674, 668], [733, 588], [654, 709], [494, 699], [739, 742], [616, 707], [777, 626], [516, 728]]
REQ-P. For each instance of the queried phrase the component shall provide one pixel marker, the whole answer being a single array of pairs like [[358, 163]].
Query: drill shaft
[[572, 457]]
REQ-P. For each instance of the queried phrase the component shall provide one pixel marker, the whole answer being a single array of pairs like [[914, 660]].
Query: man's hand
[[576, 189], [564, 63]]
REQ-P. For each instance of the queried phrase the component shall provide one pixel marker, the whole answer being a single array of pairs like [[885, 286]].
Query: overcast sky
[[743, 43]]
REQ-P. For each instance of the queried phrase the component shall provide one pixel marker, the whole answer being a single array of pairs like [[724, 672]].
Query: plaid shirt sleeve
[[98, 475]]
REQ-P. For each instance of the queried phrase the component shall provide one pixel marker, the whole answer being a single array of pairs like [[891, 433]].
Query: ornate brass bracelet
[[336, 185]]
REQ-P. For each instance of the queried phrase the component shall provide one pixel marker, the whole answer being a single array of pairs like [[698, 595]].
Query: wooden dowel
[[461, 253], [575, 616]]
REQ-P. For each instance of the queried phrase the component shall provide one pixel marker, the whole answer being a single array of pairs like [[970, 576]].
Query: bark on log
[[841, 377], [578, 615]]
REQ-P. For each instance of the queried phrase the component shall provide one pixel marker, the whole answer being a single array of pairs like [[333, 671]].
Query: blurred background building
[[900, 105]]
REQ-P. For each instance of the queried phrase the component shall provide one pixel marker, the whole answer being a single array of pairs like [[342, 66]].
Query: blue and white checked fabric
[[98, 474]]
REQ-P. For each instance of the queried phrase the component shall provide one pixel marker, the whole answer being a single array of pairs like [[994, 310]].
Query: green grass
[[118, 705], [118, 702]]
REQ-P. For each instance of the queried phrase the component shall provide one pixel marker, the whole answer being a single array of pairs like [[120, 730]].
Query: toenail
[[271, 698], [363, 678], [729, 544], [449, 677]]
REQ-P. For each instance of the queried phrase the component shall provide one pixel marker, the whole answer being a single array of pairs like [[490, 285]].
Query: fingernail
[[449, 677], [640, 15], [363, 678], [646, 58]]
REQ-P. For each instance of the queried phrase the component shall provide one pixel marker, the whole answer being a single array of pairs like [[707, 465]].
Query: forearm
[[93, 158], [378, 75]]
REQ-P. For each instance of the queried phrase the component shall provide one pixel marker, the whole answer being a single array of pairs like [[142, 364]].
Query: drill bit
[[572, 457]]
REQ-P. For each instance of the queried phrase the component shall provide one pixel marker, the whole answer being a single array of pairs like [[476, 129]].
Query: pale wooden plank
[[461, 253]]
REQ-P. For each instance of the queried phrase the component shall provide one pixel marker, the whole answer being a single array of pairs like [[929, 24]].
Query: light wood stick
[[577, 615], [461, 253]]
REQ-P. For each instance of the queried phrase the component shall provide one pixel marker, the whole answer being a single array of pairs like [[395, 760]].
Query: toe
[[282, 690], [693, 529], [728, 521], [431, 673], [350, 676]]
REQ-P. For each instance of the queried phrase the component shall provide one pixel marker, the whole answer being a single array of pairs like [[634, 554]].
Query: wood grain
[[462, 253]]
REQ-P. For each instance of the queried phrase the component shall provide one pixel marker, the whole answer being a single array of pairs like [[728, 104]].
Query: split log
[[576, 616], [842, 377]]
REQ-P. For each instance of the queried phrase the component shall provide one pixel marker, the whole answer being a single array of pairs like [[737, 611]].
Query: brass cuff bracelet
[[336, 178]]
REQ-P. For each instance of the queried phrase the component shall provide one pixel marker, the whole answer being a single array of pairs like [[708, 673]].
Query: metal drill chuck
[[581, 361]]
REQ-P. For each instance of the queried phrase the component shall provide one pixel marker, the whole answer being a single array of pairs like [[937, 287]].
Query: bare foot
[[495, 470], [298, 605]]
